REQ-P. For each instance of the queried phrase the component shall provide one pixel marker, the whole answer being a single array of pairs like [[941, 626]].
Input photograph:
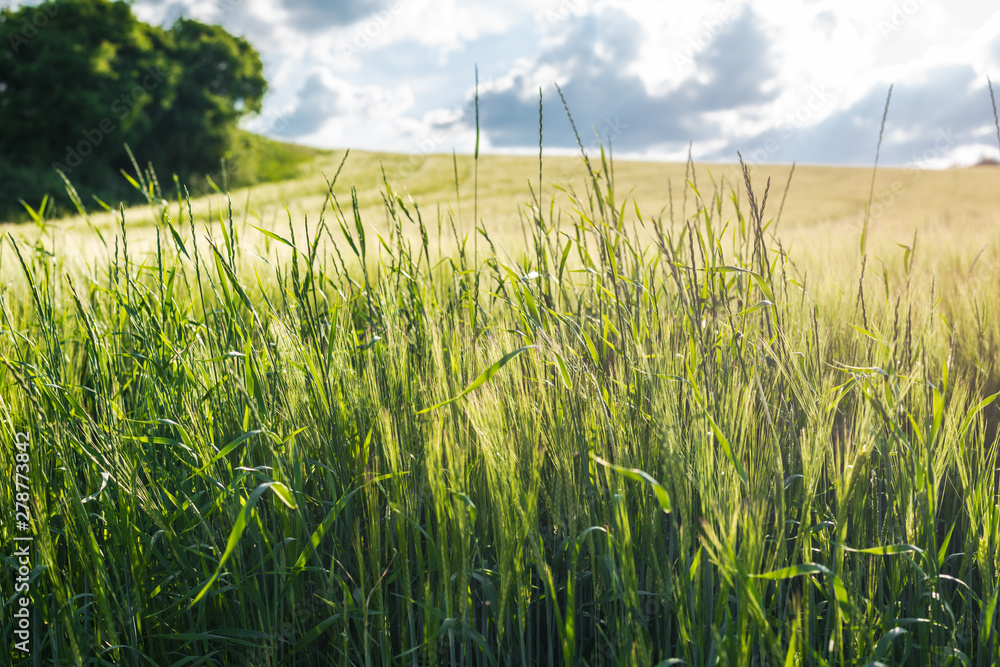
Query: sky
[[777, 80]]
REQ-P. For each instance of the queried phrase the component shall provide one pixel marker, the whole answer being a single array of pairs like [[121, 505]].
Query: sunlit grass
[[672, 438]]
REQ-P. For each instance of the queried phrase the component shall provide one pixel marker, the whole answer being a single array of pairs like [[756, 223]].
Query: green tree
[[81, 78]]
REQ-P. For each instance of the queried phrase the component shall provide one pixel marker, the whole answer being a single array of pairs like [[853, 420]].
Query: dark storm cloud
[[592, 59], [738, 63], [927, 118], [315, 15]]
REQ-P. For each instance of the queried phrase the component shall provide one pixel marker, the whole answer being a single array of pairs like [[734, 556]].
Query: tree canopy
[[79, 79]]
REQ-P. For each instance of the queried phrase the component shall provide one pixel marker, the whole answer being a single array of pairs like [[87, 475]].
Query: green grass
[[630, 437], [952, 210], [251, 160], [255, 159]]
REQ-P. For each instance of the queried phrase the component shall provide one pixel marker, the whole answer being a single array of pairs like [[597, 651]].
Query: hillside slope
[[950, 210]]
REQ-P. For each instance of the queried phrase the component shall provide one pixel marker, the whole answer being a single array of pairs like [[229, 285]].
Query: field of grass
[[634, 420], [951, 210]]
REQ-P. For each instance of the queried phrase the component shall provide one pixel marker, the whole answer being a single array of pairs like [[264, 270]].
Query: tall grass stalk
[[642, 440]]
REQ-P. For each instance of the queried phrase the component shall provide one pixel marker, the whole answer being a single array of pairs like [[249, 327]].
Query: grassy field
[[634, 420], [951, 210]]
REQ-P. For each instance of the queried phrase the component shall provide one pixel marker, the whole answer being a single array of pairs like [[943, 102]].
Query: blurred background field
[[952, 211]]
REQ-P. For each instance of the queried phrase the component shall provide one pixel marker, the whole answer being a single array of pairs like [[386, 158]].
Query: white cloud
[[807, 78]]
